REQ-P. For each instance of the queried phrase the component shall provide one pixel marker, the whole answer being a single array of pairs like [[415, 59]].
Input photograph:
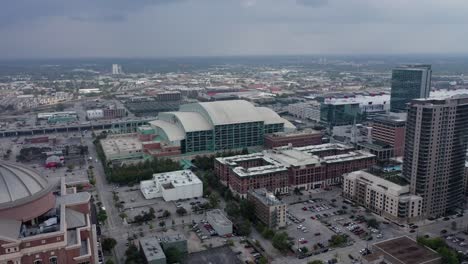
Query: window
[[53, 260], [38, 261]]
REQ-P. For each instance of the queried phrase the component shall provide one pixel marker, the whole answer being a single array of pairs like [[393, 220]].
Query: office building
[[282, 169], [401, 250], [116, 69], [409, 82], [268, 209], [435, 152], [302, 138], [307, 110], [215, 126], [390, 129], [43, 221], [340, 113], [172, 186], [383, 197], [220, 223]]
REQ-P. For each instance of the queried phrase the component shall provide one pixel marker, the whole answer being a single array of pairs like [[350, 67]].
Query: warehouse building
[[213, 126], [302, 138], [172, 186], [122, 147], [280, 169], [220, 223]]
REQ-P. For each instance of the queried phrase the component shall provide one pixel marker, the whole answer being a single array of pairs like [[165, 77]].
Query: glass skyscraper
[[409, 82]]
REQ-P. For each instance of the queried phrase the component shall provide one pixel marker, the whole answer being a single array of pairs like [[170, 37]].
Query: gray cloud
[[312, 3], [124, 28]]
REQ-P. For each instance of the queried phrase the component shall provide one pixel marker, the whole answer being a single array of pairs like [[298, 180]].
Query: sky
[[167, 28]]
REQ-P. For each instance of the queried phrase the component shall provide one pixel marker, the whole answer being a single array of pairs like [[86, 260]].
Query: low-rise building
[[283, 168], [302, 138], [268, 209], [152, 251], [401, 250], [122, 147], [177, 241], [386, 198], [308, 110], [381, 150], [220, 223], [172, 186]]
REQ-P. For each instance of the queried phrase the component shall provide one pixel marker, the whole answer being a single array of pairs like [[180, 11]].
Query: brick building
[[43, 221], [268, 209], [296, 139], [283, 168], [391, 130]]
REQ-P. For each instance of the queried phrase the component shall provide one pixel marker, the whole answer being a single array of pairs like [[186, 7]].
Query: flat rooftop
[[325, 147], [217, 216], [281, 158], [120, 144], [222, 254], [151, 249], [407, 251], [177, 178], [296, 133], [265, 197]]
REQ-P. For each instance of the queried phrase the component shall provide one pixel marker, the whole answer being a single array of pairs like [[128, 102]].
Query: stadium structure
[[220, 125]]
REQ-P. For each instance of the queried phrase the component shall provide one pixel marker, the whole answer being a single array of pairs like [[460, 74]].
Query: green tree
[[337, 240], [102, 216], [268, 233], [244, 228], [133, 255], [232, 209], [315, 262], [173, 255], [280, 241], [214, 200], [108, 244], [247, 209], [372, 222], [181, 211], [109, 261], [262, 260]]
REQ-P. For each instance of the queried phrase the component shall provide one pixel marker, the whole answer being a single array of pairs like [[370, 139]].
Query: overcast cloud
[[154, 28]]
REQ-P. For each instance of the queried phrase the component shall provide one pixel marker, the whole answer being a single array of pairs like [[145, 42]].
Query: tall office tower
[[435, 148], [116, 69], [409, 82]]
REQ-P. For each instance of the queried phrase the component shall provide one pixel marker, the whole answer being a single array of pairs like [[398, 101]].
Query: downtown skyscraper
[[435, 151], [409, 82]]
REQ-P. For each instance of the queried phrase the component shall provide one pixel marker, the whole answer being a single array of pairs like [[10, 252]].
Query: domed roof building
[[24, 194], [43, 221]]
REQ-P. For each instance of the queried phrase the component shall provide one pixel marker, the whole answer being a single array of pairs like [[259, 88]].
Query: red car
[[304, 208], [303, 241], [312, 217]]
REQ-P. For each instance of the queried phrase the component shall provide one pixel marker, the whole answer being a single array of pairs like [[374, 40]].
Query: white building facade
[[381, 196], [172, 186]]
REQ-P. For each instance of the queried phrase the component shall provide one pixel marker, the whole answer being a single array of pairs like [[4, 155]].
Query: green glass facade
[[409, 82], [340, 114]]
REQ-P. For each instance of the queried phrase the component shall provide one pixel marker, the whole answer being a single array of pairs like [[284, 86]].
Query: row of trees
[[449, 256]]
